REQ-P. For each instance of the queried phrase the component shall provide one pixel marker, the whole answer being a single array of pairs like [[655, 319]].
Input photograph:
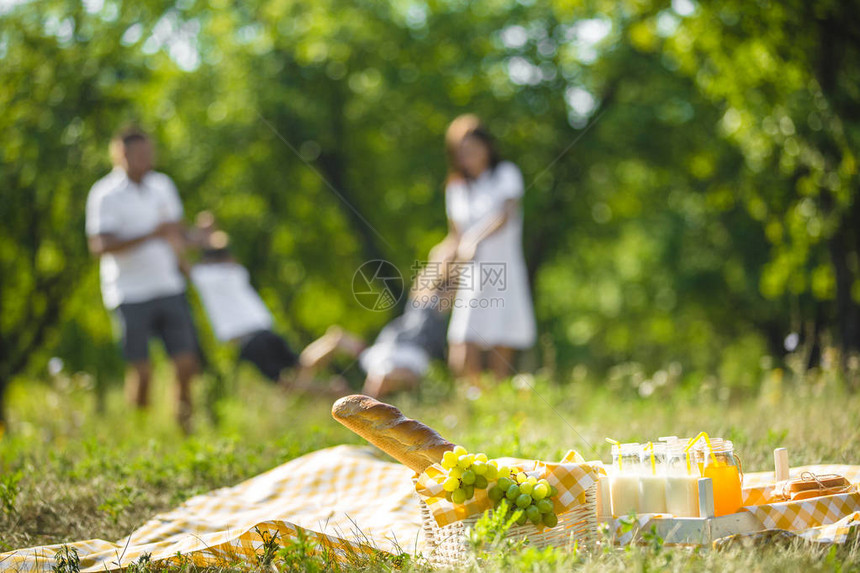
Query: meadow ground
[[71, 474]]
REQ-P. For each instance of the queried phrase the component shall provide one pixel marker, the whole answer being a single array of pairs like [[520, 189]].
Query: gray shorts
[[168, 318]]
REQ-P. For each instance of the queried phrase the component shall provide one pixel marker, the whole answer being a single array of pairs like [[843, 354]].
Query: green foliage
[[270, 548], [9, 490], [118, 502], [489, 536], [691, 171], [67, 560]]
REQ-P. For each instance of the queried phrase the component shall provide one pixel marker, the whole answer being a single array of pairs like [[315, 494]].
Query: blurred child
[[401, 354], [239, 315]]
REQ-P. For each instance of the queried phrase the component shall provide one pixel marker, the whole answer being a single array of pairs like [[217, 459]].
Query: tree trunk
[[333, 165], [847, 313], [4, 382]]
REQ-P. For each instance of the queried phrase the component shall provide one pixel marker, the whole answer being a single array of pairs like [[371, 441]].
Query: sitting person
[[238, 314], [401, 354]]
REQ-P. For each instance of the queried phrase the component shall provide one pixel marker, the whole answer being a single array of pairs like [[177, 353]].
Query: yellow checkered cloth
[[571, 480], [350, 503], [828, 519], [345, 498]]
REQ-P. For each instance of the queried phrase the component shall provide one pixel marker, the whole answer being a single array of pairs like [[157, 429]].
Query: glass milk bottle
[[624, 479], [652, 480], [717, 461], [682, 483]]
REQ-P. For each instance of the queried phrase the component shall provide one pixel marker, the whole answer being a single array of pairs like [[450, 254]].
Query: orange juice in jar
[[716, 460]]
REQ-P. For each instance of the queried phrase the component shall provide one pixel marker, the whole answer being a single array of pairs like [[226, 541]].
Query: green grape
[[448, 496], [504, 471], [521, 520], [481, 457], [512, 492], [449, 460], [481, 482], [480, 468], [540, 491], [544, 506], [550, 519], [450, 484], [465, 461], [458, 495], [468, 477], [522, 477], [470, 491], [533, 514], [492, 472], [532, 480], [505, 483], [553, 491], [455, 473], [523, 500], [527, 487], [544, 481], [495, 494], [460, 451]]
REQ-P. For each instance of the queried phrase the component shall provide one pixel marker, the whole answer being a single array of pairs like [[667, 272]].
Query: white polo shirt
[[121, 207], [233, 306]]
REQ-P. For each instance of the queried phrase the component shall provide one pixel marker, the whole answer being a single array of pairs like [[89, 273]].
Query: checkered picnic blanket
[[828, 519], [350, 503], [345, 498]]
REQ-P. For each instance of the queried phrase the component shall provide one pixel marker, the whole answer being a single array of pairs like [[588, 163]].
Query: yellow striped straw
[[707, 442], [687, 451], [650, 447]]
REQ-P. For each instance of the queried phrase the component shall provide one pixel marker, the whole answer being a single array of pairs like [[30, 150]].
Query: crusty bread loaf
[[810, 493], [408, 441], [808, 481], [809, 485]]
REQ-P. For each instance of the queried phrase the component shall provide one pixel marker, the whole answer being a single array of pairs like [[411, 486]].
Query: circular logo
[[377, 285]]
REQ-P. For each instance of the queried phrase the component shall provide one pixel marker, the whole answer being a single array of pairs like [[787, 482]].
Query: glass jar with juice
[[716, 460]]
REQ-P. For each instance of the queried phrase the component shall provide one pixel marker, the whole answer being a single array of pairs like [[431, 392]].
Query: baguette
[[408, 441]]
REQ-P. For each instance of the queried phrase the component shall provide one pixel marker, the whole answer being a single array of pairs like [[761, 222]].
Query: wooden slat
[[706, 498], [780, 464]]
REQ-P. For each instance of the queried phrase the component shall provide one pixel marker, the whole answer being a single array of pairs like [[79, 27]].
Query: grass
[[70, 473]]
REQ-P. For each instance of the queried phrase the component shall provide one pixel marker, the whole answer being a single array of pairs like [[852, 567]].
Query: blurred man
[[134, 224]]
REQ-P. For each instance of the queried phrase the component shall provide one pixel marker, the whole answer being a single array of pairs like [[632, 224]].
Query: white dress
[[493, 305]]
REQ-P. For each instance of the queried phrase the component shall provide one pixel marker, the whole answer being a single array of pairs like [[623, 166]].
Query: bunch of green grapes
[[466, 473], [529, 494]]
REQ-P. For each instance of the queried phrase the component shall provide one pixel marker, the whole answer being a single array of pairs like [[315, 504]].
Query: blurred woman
[[493, 309]]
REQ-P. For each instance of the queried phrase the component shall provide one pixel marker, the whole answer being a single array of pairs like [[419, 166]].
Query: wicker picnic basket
[[419, 447], [448, 546]]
